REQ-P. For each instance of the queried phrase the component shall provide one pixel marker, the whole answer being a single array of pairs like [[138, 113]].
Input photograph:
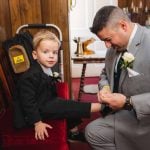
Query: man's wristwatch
[[128, 105]]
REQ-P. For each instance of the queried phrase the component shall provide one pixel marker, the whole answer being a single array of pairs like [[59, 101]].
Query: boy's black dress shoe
[[76, 137]]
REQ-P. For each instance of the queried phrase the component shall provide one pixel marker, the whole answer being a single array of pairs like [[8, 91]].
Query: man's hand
[[103, 91], [115, 100], [41, 131]]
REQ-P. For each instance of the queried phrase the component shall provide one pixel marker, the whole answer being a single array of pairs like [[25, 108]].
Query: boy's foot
[[76, 137]]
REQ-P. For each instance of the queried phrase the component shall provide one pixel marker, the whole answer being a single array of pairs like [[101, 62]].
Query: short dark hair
[[101, 18], [107, 15]]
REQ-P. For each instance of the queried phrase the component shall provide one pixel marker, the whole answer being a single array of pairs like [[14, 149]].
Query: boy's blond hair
[[44, 35]]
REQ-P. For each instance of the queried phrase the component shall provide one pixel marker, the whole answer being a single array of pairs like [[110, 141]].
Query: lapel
[[116, 55], [134, 47], [37, 68]]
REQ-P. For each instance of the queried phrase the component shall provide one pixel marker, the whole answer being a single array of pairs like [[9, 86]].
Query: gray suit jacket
[[132, 128]]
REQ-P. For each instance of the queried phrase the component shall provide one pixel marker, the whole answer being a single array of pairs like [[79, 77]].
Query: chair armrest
[[62, 90]]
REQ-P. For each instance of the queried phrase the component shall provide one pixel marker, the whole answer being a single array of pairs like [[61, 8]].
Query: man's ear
[[34, 54], [123, 25]]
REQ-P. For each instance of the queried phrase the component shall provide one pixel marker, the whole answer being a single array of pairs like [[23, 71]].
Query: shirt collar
[[47, 71], [132, 35]]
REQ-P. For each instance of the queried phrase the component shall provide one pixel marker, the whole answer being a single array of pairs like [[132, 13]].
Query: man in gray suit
[[125, 89]]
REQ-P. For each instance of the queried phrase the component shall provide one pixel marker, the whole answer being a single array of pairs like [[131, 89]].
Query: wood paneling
[[14, 13], [138, 10], [61, 13], [32, 16], [122, 3], [15, 16], [5, 22], [24, 12]]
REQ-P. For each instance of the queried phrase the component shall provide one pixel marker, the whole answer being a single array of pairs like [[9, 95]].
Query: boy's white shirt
[[47, 71]]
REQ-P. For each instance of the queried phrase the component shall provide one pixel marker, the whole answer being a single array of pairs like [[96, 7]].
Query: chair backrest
[[19, 49]]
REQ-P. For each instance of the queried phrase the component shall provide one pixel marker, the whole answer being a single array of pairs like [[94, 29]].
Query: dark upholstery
[[23, 139]]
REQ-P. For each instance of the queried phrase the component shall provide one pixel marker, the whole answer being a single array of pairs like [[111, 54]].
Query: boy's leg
[[73, 122], [60, 109], [74, 134]]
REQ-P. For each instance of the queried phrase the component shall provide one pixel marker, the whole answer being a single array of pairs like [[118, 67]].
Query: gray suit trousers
[[100, 133]]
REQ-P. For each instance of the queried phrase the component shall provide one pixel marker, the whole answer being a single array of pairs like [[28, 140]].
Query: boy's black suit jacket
[[36, 99], [34, 89]]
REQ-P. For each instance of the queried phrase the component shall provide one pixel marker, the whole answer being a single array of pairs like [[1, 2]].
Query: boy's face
[[46, 53]]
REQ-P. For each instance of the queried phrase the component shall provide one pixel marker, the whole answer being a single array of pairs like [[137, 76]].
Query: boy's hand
[[41, 131], [115, 100], [103, 91]]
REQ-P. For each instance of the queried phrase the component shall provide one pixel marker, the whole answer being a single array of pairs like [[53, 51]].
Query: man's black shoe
[[76, 137]]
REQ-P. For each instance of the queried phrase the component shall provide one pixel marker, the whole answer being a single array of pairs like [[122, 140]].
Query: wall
[[81, 18]]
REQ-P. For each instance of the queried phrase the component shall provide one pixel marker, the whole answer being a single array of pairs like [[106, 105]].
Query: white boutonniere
[[127, 60], [55, 74]]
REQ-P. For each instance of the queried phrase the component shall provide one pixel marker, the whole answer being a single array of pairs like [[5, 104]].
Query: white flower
[[128, 59], [55, 74]]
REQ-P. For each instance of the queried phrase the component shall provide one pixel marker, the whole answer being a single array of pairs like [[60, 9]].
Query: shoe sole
[[76, 141]]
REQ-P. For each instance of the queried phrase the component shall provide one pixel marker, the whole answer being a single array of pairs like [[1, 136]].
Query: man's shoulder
[[143, 29]]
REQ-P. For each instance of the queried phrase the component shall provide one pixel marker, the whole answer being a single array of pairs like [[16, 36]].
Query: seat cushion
[[12, 139], [23, 139]]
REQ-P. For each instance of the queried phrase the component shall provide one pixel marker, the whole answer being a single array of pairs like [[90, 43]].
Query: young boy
[[36, 94]]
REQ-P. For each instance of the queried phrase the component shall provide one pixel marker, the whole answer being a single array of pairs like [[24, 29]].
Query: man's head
[[112, 26]]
